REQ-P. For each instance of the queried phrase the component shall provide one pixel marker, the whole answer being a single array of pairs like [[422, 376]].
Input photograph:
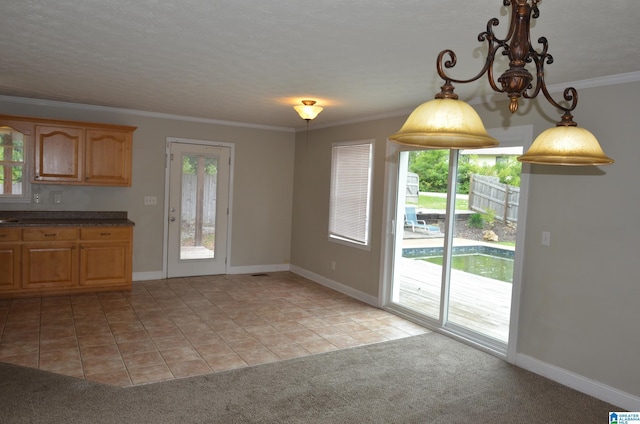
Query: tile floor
[[184, 327]]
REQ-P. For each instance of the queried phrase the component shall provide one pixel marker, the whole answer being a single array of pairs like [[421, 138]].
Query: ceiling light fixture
[[308, 110], [447, 122]]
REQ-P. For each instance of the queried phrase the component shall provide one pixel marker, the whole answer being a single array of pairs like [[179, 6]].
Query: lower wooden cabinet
[[105, 256], [64, 260], [9, 259]]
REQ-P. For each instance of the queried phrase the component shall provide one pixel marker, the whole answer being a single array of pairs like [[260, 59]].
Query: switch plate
[[150, 200], [57, 197], [546, 238]]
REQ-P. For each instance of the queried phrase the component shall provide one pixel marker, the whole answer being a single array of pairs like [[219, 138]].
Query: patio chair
[[411, 221]]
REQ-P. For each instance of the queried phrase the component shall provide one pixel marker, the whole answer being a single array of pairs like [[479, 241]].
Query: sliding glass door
[[454, 244]]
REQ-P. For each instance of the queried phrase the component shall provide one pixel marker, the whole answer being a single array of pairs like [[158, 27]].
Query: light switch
[[150, 200], [546, 238]]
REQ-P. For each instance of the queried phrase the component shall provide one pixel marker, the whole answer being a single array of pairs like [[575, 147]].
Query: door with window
[[455, 261], [197, 212]]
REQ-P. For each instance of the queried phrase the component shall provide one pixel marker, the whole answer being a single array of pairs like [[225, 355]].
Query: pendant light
[[447, 122]]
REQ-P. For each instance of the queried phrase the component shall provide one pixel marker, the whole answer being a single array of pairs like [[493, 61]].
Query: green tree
[[432, 167], [189, 164]]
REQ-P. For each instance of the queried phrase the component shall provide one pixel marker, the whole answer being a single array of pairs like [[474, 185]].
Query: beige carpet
[[423, 379]]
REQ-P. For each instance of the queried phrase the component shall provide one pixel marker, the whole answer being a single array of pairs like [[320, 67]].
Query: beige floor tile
[[181, 327], [137, 346], [142, 359], [289, 351], [189, 368], [181, 354], [152, 374], [225, 362], [102, 365], [318, 346]]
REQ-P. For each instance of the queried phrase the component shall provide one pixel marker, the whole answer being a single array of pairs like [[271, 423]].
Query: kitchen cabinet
[[59, 154], [49, 258], [78, 153], [105, 256], [54, 260], [9, 259]]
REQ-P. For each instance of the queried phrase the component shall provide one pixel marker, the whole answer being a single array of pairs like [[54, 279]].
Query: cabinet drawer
[[49, 234], [105, 233], [9, 234]]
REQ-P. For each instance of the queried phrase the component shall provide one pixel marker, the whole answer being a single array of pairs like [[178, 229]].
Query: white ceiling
[[251, 61]]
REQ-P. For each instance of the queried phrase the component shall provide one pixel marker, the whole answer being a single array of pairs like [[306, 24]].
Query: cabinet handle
[[50, 235], [105, 234]]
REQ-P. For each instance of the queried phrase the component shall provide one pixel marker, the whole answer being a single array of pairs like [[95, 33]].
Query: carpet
[[423, 379]]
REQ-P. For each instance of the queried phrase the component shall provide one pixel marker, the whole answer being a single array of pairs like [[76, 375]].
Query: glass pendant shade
[[308, 111], [444, 124], [566, 145]]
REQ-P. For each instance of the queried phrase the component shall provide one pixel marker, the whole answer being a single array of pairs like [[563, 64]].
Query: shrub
[[476, 221]]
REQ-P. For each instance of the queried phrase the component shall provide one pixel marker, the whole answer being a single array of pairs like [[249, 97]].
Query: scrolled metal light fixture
[[447, 122]]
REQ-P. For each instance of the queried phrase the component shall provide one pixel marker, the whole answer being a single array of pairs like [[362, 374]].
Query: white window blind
[[349, 205]]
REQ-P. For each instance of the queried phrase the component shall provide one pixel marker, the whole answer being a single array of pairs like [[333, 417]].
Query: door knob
[[172, 219]]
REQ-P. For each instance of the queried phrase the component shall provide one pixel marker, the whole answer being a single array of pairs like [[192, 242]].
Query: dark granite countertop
[[63, 219]]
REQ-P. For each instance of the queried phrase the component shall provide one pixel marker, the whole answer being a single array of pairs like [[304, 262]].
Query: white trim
[[252, 269], [520, 135], [232, 151], [582, 384], [339, 287], [109, 109], [149, 275]]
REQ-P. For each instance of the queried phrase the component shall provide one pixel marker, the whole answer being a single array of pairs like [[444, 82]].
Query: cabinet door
[[108, 157], [49, 265], [105, 263], [9, 259], [105, 256], [59, 154]]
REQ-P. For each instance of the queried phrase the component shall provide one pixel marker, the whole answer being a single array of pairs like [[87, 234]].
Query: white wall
[[262, 189]]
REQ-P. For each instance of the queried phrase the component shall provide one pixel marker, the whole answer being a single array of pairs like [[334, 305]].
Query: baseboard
[[582, 384], [339, 287], [146, 276], [258, 268]]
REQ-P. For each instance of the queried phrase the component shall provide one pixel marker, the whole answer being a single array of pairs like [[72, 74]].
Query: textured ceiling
[[250, 61]]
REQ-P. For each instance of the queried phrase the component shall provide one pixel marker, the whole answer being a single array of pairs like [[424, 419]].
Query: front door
[[197, 209]]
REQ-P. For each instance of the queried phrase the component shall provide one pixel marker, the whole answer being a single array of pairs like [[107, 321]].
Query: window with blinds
[[350, 199]]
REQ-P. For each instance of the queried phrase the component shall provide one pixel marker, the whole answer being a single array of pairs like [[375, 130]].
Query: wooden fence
[[189, 194], [488, 193]]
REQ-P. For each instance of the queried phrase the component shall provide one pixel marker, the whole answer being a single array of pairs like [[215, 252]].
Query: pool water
[[479, 264]]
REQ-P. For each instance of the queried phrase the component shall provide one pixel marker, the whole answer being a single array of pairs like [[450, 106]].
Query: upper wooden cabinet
[[79, 153]]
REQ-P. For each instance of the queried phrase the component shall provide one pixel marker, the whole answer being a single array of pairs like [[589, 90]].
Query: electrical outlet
[[333, 265], [150, 200]]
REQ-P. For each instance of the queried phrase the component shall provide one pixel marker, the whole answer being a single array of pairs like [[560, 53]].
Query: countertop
[[64, 219]]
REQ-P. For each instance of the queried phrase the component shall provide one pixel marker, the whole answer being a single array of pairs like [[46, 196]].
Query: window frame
[[26, 130], [334, 234]]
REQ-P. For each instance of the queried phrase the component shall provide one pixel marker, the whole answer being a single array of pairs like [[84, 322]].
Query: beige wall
[[580, 295], [262, 184]]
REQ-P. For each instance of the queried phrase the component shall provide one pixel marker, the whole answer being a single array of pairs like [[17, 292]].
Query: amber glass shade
[[566, 145], [308, 112], [444, 124]]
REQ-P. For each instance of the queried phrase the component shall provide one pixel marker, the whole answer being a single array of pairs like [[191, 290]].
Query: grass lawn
[[432, 202]]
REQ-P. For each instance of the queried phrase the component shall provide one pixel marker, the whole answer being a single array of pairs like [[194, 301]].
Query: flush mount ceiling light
[[449, 123], [308, 110]]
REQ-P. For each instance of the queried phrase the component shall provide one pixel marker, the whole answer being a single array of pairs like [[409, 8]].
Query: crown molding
[[158, 115]]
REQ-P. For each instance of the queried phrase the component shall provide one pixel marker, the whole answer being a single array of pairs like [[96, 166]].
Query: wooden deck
[[478, 303]]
